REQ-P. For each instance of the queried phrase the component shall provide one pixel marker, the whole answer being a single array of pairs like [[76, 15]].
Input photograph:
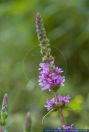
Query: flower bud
[[5, 101], [4, 110]]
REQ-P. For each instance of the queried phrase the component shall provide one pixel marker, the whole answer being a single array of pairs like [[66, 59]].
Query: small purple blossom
[[66, 127], [50, 104], [64, 99], [58, 70], [50, 76], [61, 100]]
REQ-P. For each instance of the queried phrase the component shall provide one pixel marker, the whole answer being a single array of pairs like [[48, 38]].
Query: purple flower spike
[[50, 76], [61, 100]]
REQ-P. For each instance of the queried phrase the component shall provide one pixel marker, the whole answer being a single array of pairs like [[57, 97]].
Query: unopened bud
[[4, 110], [5, 100]]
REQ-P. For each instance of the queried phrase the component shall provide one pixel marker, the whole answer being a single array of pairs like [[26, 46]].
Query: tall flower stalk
[[50, 76]]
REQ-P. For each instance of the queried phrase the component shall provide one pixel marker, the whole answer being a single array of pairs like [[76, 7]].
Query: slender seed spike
[[41, 33], [44, 41]]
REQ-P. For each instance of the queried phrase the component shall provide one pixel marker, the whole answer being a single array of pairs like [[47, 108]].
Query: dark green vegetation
[[67, 26]]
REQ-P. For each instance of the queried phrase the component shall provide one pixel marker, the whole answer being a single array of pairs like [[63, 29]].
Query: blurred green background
[[67, 26]]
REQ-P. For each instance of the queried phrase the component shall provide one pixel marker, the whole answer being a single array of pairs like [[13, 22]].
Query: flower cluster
[[53, 103], [50, 76]]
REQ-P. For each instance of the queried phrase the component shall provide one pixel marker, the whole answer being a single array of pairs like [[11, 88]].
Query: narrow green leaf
[[47, 115]]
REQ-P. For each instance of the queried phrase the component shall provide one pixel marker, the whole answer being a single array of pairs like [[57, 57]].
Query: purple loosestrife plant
[[50, 76]]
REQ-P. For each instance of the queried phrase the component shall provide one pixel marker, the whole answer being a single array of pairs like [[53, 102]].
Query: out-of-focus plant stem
[[28, 122]]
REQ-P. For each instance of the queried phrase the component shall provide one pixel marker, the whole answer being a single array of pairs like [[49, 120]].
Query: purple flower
[[64, 99], [61, 100], [58, 70], [50, 104], [67, 127], [50, 76]]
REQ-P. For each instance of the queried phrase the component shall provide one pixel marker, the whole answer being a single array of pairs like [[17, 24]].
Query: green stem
[[59, 111], [46, 115], [61, 116]]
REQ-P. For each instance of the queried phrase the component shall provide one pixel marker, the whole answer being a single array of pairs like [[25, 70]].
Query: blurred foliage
[[67, 25]]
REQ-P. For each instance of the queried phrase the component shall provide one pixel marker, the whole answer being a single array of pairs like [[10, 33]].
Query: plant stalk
[[61, 116]]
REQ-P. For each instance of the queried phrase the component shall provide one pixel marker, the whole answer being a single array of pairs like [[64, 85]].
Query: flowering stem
[[50, 76], [55, 97]]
